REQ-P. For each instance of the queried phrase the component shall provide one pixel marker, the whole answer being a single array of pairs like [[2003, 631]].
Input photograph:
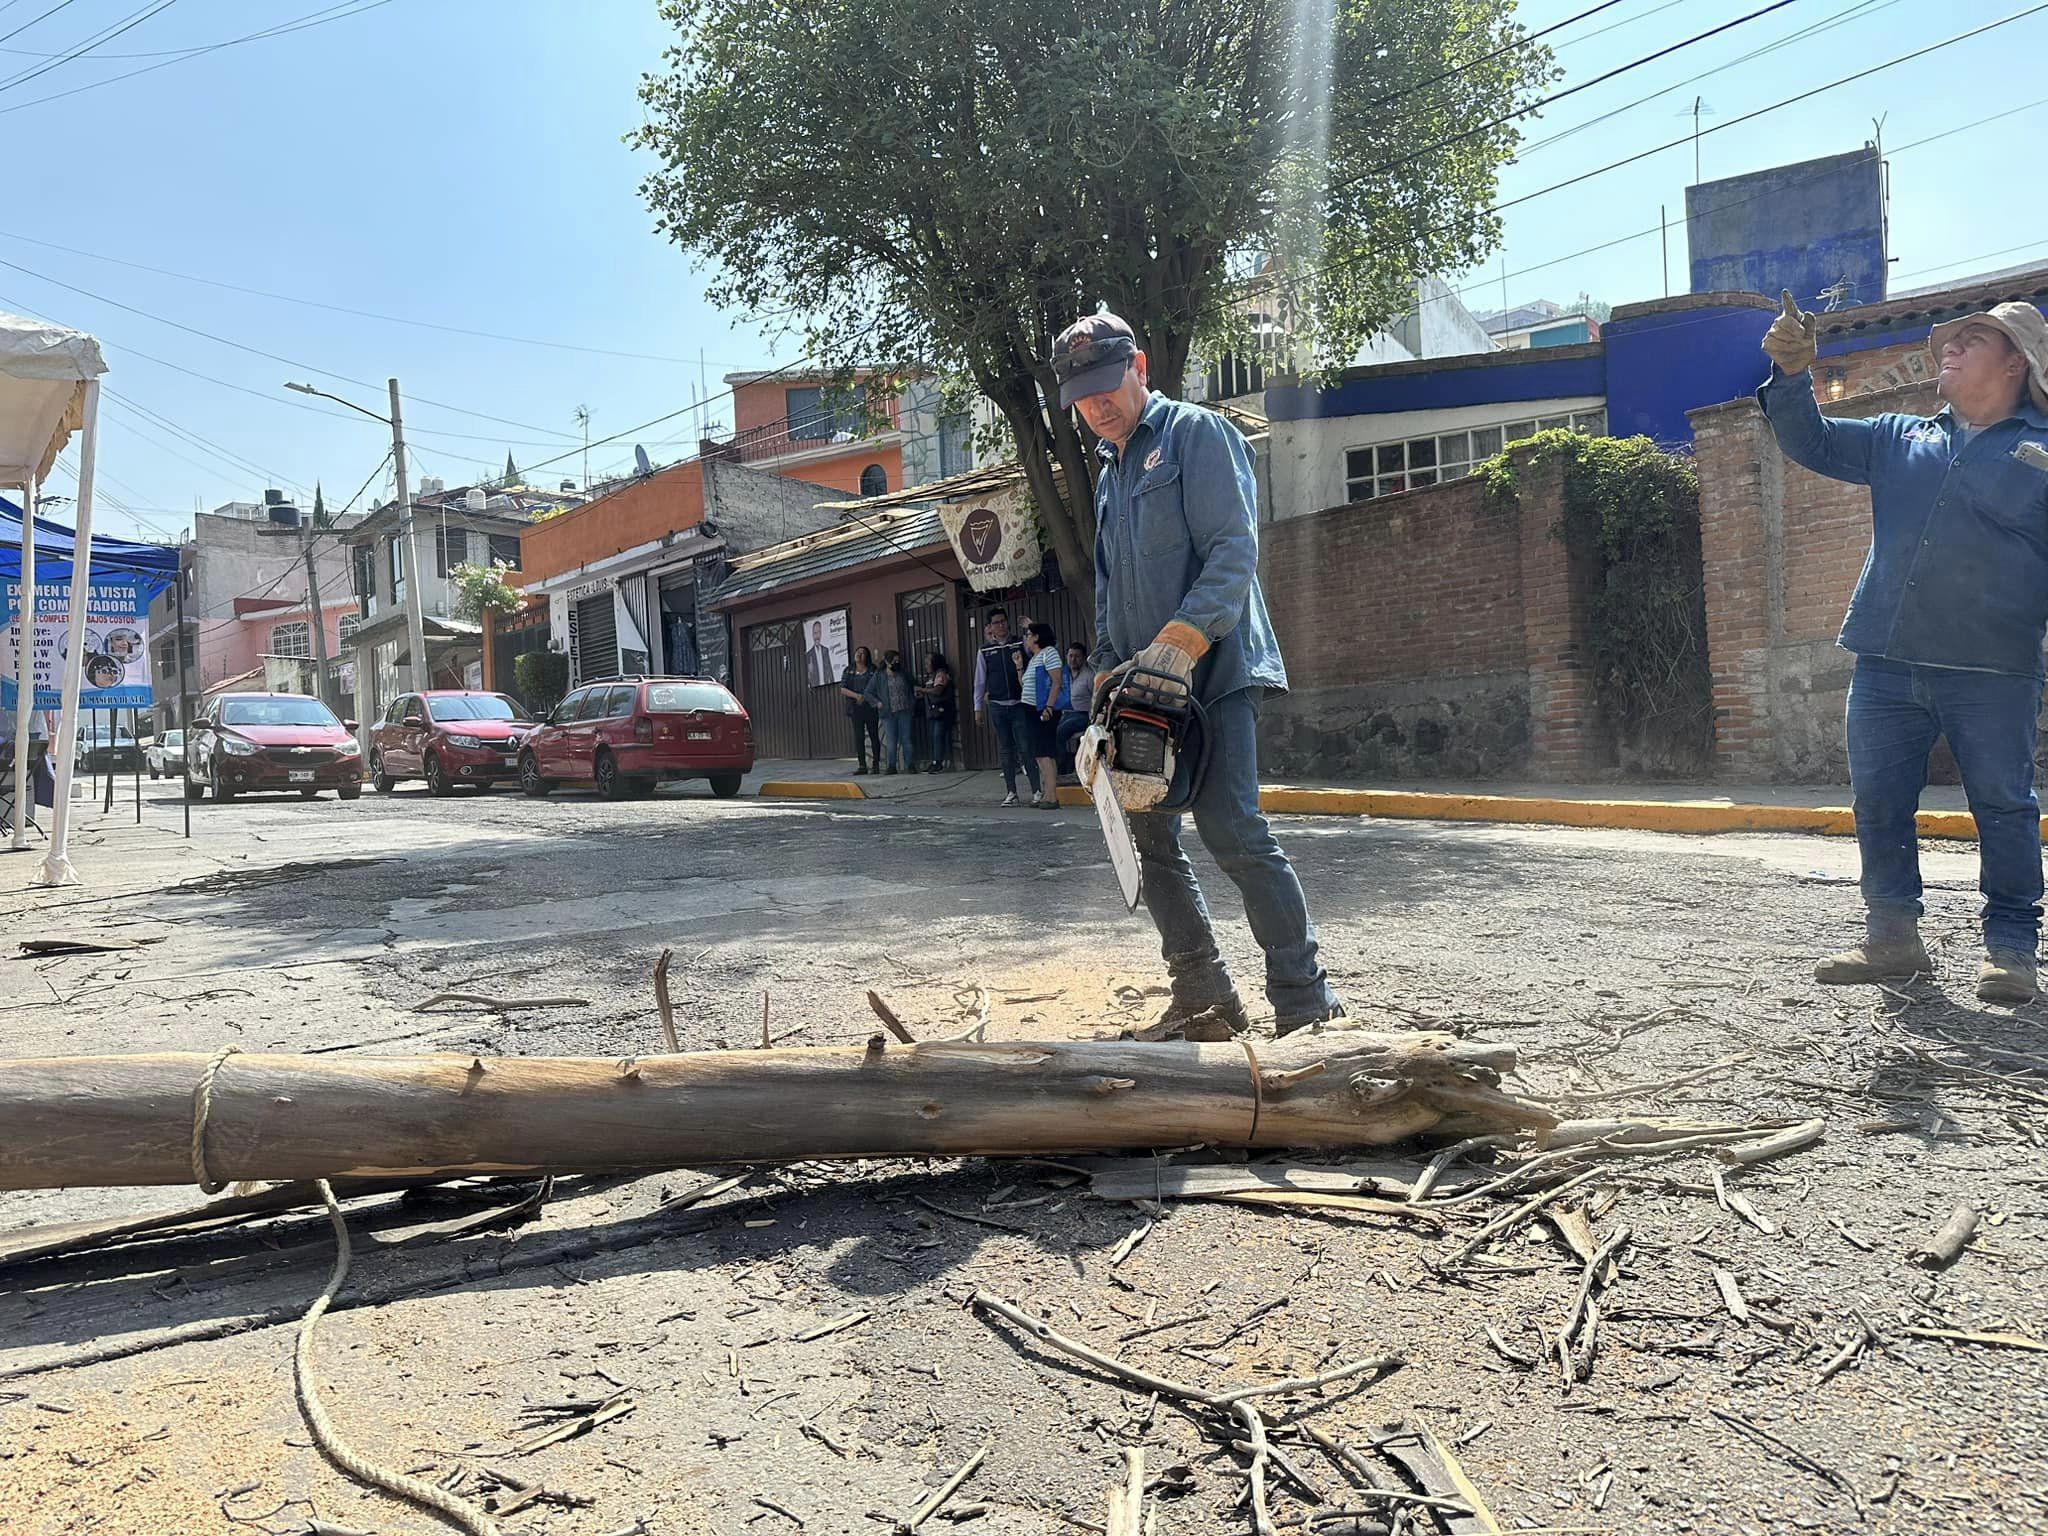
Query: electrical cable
[[312, 19], [53, 10], [1536, 106], [136, 19]]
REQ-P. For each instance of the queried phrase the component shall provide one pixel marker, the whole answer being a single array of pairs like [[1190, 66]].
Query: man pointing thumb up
[[1790, 342]]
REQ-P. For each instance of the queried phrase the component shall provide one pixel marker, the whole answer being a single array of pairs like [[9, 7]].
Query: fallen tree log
[[122, 1120]]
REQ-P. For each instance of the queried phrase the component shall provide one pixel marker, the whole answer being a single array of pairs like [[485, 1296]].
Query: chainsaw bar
[[1091, 759]]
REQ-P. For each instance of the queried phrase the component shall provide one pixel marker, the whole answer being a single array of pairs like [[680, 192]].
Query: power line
[[53, 10], [104, 35], [1856, 12], [1514, 45], [360, 314], [274, 357], [318, 18], [1262, 285], [1585, 85]]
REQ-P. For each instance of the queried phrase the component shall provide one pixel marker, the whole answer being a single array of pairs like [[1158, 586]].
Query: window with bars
[[1383, 469], [396, 555], [295, 639], [346, 629], [505, 549]]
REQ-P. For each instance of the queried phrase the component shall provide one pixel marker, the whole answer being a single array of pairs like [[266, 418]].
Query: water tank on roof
[[475, 498], [568, 485], [432, 485]]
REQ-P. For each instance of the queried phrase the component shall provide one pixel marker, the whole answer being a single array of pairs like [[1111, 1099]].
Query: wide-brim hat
[[2023, 326]]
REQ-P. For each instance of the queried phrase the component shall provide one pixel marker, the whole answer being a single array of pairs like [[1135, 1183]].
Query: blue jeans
[[1228, 820], [897, 747], [1895, 713], [1012, 725]]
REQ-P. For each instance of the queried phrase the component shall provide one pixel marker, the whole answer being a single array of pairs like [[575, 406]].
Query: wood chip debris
[[1946, 1246]]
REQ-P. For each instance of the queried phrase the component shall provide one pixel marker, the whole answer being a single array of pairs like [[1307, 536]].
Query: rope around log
[[470, 1517], [202, 1105]]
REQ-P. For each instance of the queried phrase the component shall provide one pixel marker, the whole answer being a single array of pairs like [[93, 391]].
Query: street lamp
[[415, 619]]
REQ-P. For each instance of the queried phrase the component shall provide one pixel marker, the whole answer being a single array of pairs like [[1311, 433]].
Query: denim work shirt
[[1177, 538], [1957, 574]]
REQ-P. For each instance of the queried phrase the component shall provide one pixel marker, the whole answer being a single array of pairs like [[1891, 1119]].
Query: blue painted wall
[[1528, 377], [1659, 366], [1652, 369], [1806, 227]]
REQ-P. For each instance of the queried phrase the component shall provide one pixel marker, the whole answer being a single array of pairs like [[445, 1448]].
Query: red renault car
[[271, 741], [627, 735], [448, 736]]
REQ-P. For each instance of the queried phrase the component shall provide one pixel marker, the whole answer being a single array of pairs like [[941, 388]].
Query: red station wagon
[[627, 735], [448, 736], [270, 741]]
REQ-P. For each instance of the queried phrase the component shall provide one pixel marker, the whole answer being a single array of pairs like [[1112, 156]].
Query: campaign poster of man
[[825, 650]]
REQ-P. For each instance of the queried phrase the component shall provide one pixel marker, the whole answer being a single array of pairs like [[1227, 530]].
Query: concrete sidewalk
[[1693, 808]]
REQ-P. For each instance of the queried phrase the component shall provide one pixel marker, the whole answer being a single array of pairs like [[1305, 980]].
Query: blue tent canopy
[[155, 566]]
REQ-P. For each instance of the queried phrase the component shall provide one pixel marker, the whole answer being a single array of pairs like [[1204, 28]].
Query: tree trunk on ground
[[118, 1120]]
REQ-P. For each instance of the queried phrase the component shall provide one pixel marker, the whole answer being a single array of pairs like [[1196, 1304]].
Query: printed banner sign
[[116, 644], [996, 539]]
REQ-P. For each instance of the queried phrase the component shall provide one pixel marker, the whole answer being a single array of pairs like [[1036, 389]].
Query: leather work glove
[[1173, 653], [1792, 341]]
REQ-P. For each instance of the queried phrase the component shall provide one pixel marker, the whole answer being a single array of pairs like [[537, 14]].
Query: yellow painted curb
[[810, 789], [1073, 794], [1693, 816]]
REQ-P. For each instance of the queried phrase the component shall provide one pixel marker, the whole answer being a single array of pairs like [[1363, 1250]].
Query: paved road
[[1610, 959]]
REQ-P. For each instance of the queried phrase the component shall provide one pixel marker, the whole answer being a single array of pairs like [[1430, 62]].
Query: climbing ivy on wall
[[1632, 511]]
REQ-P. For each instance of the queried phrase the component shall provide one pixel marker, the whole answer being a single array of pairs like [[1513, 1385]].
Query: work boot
[[1288, 1026], [2007, 976], [1224, 1019], [1888, 954]]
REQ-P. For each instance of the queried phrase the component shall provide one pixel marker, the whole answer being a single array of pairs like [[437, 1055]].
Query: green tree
[[919, 185], [481, 589]]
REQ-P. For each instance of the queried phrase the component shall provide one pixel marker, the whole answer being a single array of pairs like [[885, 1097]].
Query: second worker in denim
[[1947, 623]]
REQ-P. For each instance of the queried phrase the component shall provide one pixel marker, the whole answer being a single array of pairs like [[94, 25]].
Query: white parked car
[[167, 754]]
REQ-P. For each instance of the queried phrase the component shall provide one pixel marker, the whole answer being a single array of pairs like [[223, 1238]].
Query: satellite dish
[[640, 460]]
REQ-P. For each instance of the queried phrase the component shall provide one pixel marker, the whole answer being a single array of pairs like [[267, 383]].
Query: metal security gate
[[791, 718], [597, 639]]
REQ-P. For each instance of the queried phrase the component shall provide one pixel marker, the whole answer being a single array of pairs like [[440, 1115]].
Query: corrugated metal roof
[[885, 537]]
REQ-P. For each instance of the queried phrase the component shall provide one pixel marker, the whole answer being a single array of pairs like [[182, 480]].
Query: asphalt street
[[1614, 961]]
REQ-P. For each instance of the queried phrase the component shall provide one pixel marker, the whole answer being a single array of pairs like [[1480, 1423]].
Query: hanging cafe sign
[[995, 538]]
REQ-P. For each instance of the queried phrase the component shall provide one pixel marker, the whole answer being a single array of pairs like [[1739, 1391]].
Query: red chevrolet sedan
[[627, 735], [448, 736], [270, 741]]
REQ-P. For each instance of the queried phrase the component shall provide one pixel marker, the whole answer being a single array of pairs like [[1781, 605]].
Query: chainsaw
[[1130, 759]]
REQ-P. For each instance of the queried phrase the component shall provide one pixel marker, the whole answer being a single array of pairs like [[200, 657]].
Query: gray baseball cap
[[1092, 356]]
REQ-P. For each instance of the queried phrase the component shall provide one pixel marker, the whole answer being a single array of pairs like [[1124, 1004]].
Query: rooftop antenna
[[640, 462], [582, 415], [1696, 111]]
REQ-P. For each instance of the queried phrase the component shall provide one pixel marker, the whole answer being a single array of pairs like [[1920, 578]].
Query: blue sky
[[459, 161]]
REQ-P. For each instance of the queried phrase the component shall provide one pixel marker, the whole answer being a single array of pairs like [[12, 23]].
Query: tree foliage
[[916, 184], [1632, 511], [481, 589], [542, 678]]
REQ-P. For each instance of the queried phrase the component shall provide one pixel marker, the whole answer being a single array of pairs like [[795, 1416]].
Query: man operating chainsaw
[[1182, 640]]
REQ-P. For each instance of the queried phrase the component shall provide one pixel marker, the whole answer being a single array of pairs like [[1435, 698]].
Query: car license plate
[[299, 775], [511, 762], [700, 735]]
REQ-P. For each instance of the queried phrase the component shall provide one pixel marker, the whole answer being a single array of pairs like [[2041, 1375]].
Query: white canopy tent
[[49, 389]]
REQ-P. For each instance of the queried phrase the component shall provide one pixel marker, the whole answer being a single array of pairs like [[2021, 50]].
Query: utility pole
[[321, 690], [415, 619]]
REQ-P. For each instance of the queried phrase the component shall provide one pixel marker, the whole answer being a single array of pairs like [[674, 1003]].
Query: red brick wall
[[1423, 584], [1428, 635], [1782, 548], [1863, 373]]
